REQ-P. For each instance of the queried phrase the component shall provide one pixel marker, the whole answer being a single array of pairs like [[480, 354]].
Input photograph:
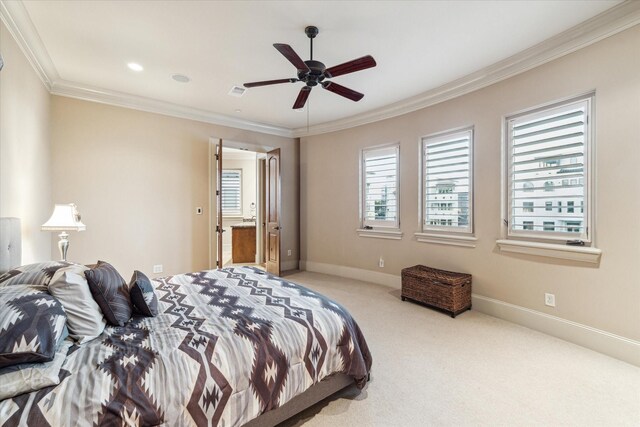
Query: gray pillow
[[28, 377], [110, 292], [32, 323], [84, 318], [38, 274], [142, 296]]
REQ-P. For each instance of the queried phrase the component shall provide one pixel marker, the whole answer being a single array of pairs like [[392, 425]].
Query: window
[[527, 186], [527, 207], [551, 148], [447, 170], [379, 196], [573, 226], [232, 192]]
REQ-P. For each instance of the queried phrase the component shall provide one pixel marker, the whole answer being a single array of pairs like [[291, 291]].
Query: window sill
[[549, 250], [446, 239], [380, 234]]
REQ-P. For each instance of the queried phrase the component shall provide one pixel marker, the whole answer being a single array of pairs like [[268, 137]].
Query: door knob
[[277, 228]]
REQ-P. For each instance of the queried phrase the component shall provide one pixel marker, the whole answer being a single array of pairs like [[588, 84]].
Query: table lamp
[[64, 218]]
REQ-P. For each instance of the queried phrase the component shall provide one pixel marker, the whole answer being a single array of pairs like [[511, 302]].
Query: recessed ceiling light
[[238, 110], [135, 67], [181, 78]]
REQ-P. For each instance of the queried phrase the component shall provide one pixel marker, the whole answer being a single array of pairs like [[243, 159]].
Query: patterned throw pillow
[[142, 296], [38, 274], [84, 317], [111, 293], [32, 322], [28, 377]]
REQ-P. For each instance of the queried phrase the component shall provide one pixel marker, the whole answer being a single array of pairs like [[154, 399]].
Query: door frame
[[213, 180]]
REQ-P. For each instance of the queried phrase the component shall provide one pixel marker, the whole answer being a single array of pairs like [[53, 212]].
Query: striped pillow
[[111, 293]]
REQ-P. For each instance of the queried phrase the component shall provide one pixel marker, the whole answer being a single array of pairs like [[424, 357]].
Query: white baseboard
[[601, 341], [385, 279]]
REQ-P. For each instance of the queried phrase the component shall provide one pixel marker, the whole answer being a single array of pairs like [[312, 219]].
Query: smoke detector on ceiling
[[237, 91], [181, 78]]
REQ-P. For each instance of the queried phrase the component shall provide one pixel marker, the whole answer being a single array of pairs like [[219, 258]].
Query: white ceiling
[[418, 46]]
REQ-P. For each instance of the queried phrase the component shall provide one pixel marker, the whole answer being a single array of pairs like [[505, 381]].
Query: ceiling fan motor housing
[[314, 75]]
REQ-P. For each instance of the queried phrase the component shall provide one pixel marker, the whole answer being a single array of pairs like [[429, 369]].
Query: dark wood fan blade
[[288, 52], [351, 66], [343, 91], [270, 82], [302, 97]]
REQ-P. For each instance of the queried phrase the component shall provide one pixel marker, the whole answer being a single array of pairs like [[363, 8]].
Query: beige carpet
[[430, 369]]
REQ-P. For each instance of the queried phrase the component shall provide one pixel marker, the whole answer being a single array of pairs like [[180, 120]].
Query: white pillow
[[84, 318], [27, 377]]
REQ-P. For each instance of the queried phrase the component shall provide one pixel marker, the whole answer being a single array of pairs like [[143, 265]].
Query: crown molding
[[119, 99], [617, 19], [610, 22], [17, 20]]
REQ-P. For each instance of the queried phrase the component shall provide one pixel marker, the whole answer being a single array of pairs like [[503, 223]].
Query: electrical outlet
[[157, 268], [381, 263], [550, 300], [289, 252], [198, 211]]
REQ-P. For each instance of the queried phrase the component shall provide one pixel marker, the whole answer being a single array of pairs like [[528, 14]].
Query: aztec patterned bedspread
[[226, 346]]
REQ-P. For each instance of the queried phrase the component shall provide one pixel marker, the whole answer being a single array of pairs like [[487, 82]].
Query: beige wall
[[606, 297], [25, 167], [137, 179]]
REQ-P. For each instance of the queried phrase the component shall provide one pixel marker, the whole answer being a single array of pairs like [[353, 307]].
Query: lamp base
[[63, 244]]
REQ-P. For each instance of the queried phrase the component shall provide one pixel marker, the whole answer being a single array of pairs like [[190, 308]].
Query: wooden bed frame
[[11, 255]]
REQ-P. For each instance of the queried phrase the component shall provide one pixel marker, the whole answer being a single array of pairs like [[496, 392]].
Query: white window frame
[[239, 213], [376, 228], [429, 233], [552, 244]]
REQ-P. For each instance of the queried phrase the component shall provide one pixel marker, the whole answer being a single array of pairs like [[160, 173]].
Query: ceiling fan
[[314, 73]]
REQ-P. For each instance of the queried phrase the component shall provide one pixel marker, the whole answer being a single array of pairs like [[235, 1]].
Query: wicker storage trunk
[[444, 290]]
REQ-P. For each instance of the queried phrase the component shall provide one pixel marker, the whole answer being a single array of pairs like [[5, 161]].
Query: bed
[[228, 347]]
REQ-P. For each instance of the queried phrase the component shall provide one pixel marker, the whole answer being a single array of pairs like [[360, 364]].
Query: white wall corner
[[616, 346], [19, 24]]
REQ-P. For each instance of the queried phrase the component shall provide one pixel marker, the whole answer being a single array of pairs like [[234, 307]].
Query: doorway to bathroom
[[242, 198], [245, 205]]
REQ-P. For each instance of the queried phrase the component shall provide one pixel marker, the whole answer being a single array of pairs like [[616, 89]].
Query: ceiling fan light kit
[[314, 73]]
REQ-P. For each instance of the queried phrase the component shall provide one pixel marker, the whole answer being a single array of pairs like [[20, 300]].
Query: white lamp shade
[[64, 217]]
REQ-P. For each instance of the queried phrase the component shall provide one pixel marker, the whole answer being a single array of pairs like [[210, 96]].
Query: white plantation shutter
[[380, 186], [447, 184], [548, 172], [231, 192]]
